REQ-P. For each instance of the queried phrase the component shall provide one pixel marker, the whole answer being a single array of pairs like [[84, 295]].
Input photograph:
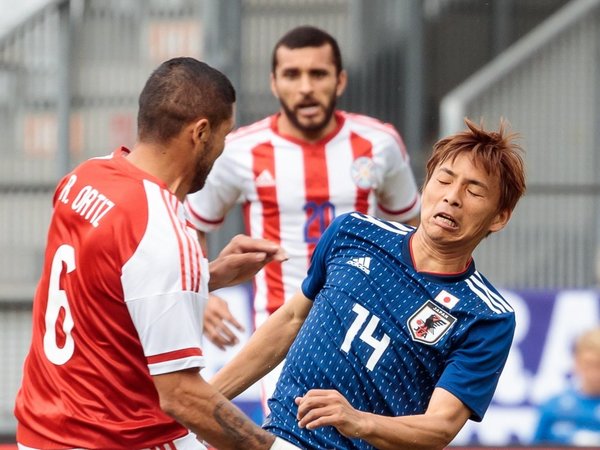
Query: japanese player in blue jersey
[[396, 339]]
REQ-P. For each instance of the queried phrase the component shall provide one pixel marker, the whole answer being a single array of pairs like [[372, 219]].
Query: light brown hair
[[496, 151]]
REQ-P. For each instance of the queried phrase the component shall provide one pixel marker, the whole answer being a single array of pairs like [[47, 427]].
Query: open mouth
[[308, 109], [448, 220]]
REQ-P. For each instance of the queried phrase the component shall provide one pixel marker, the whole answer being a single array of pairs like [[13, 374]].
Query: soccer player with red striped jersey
[[116, 349], [298, 169]]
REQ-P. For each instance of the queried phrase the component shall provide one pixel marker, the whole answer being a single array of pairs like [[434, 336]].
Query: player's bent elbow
[[436, 438], [174, 393], [170, 404], [443, 438], [444, 441]]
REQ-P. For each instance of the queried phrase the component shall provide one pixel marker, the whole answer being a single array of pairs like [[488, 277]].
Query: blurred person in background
[[395, 339], [116, 349], [573, 417], [298, 169]]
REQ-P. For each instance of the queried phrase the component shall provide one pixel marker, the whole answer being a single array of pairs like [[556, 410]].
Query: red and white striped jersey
[[291, 190], [121, 298]]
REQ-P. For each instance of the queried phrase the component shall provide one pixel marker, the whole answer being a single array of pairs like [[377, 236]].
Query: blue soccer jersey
[[385, 335]]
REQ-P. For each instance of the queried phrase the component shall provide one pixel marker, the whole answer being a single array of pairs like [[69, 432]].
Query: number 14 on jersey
[[379, 346]]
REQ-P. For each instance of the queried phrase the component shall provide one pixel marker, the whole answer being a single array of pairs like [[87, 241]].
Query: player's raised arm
[[265, 349]]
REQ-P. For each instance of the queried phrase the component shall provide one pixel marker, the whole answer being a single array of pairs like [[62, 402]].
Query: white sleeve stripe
[[401, 226], [492, 294], [482, 296], [380, 223], [487, 295]]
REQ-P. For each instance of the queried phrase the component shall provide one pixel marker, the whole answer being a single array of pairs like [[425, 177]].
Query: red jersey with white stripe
[[291, 190], [120, 299]]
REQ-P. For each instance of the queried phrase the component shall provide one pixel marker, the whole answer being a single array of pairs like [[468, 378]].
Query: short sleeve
[[474, 368], [169, 331], [165, 286], [398, 197], [317, 270]]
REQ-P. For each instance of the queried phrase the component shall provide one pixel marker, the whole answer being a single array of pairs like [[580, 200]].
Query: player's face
[[460, 203], [587, 366], [307, 86], [211, 151]]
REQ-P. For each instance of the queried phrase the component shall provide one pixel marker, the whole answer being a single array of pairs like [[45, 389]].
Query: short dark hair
[[495, 150], [180, 91], [308, 36]]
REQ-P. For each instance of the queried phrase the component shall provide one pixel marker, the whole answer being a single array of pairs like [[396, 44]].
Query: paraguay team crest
[[363, 173], [430, 323]]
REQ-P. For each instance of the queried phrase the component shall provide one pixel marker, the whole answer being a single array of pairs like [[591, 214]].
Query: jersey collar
[[119, 156]]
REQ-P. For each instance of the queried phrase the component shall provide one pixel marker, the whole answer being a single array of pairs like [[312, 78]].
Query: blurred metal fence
[[548, 87]]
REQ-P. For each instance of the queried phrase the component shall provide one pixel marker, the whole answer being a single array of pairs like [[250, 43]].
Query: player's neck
[[428, 256], [155, 159]]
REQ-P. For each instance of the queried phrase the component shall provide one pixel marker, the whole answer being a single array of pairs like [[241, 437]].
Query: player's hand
[[241, 259], [326, 407], [219, 323]]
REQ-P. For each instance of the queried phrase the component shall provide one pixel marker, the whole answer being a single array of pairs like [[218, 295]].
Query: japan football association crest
[[430, 323]]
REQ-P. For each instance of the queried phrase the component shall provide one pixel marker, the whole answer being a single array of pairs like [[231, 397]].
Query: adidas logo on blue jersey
[[361, 263]]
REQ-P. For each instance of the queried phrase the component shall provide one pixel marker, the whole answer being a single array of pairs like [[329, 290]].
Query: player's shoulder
[[107, 195], [99, 170], [369, 124], [357, 220], [373, 129], [488, 297], [113, 178], [95, 164], [249, 135]]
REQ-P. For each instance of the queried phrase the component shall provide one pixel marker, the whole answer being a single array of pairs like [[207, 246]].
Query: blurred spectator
[[573, 417]]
